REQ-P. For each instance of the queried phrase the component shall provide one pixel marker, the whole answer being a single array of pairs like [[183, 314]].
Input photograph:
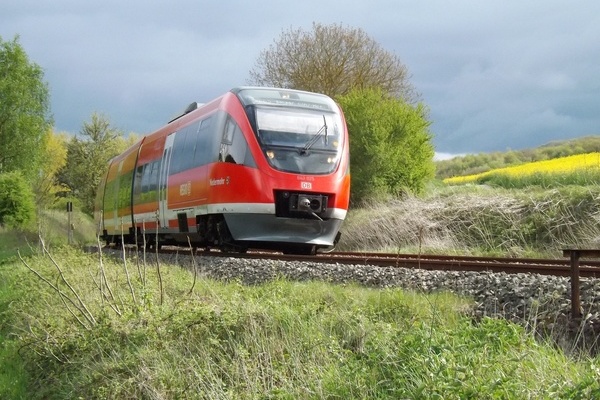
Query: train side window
[[153, 178], [124, 195], [203, 142], [187, 156], [177, 161], [137, 187], [145, 176]]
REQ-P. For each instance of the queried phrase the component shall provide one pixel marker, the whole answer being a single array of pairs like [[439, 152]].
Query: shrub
[[390, 145], [17, 206]]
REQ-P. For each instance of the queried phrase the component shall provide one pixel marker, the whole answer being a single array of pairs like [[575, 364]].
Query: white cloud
[[446, 156]]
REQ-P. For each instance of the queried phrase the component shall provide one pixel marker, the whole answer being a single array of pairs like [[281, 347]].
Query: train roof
[[259, 95], [253, 95]]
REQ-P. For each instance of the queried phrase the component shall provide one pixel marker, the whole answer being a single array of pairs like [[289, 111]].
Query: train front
[[304, 161]]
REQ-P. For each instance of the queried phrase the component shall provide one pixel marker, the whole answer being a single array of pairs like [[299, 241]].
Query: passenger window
[[178, 149], [153, 178], [137, 189], [187, 155], [204, 141]]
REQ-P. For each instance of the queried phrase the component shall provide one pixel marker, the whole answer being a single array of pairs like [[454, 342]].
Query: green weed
[[279, 339]]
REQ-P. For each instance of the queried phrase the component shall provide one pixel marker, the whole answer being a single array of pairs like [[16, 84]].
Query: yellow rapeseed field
[[589, 161]]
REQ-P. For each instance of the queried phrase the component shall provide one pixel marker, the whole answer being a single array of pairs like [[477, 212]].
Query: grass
[[212, 339], [479, 220], [53, 225], [185, 338], [13, 240], [13, 374]]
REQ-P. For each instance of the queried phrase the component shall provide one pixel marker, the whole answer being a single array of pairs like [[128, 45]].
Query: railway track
[[556, 267]]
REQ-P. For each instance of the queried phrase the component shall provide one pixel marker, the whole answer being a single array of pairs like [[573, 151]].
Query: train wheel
[[308, 250], [233, 248]]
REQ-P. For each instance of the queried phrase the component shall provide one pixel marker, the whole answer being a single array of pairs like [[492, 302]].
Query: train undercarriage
[[295, 236]]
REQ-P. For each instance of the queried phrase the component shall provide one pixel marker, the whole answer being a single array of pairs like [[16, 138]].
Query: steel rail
[[556, 267]]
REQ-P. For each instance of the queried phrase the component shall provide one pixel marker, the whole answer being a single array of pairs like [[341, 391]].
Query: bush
[[17, 207], [390, 145]]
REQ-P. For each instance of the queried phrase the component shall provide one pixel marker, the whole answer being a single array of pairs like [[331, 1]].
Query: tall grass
[[480, 220], [13, 374], [276, 340], [51, 224]]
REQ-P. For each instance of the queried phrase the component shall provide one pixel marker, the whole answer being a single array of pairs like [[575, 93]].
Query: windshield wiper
[[314, 139]]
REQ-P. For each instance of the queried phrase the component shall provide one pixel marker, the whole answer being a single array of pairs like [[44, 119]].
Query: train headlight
[[271, 154], [315, 204]]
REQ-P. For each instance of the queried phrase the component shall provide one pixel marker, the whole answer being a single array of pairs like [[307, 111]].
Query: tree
[[46, 185], [332, 60], [88, 157], [24, 110], [17, 206], [390, 144]]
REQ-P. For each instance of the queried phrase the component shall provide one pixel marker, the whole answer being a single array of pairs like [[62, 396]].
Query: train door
[[163, 218]]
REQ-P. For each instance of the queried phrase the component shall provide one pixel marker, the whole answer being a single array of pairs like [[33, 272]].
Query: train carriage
[[256, 167]]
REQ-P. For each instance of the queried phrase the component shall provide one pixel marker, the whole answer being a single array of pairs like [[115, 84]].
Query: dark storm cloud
[[495, 75]]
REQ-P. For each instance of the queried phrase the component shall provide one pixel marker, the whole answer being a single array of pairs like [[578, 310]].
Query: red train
[[255, 168]]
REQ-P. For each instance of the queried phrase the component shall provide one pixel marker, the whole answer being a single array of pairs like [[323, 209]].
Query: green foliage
[[13, 376], [24, 110], [476, 163], [53, 227], [12, 240], [53, 158], [390, 144], [279, 339], [17, 207], [87, 159]]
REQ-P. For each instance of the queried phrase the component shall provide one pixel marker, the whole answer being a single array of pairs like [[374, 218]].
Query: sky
[[496, 75]]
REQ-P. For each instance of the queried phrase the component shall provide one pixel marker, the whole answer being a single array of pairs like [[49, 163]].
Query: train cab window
[[234, 148], [300, 140]]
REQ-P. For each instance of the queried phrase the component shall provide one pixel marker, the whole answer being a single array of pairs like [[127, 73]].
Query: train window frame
[[234, 146]]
